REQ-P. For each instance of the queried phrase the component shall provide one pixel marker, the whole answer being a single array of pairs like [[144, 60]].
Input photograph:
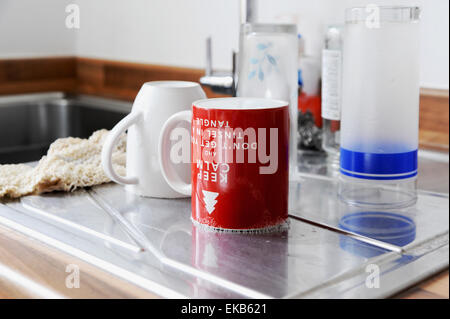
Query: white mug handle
[[108, 147], [167, 169]]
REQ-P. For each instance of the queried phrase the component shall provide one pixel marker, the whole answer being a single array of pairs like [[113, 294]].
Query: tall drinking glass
[[380, 106], [267, 67]]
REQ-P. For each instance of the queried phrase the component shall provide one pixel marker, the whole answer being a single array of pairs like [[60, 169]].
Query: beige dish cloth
[[70, 163]]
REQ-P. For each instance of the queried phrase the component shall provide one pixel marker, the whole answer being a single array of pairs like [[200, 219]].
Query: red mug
[[239, 162]]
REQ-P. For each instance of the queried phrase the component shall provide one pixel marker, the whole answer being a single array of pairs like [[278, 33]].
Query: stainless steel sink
[[29, 124]]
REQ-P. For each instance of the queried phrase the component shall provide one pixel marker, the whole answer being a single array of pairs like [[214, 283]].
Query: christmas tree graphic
[[210, 200]]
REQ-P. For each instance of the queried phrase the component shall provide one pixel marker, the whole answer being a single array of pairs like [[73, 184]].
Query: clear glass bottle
[[267, 67], [332, 94]]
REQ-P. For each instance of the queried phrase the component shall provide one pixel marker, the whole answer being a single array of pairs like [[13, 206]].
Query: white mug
[[154, 104]]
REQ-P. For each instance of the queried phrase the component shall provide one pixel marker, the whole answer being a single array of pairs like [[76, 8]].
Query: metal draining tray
[[153, 244]]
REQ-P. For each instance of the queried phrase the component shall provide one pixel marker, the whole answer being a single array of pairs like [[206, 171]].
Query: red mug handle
[[165, 162]]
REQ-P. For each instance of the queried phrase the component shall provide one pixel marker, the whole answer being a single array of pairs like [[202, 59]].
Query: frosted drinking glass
[[380, 106]]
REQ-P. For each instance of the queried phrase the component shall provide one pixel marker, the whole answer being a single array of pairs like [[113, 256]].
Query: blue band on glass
[[379, 166], [379, 177]]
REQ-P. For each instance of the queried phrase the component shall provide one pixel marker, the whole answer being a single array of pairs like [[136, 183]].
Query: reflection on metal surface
[[221, 253], [134, 233], [316, 200], [140, 238], [385, 226], [353, 235], [52, 217]]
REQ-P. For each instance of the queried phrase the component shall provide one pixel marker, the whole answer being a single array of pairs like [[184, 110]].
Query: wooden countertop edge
[[435, 287], [434, 92]]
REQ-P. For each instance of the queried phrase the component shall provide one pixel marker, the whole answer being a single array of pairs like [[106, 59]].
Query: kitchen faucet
[[224, 82]]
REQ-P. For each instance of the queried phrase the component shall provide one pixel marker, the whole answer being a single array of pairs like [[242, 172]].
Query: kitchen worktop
[[145, 247]]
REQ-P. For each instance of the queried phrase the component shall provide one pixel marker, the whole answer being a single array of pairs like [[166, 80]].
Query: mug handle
[[108, 147], [167, 169]]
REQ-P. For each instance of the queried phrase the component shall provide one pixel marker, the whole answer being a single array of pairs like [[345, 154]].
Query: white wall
[[34, 28], [311, 16], [173, 32]]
